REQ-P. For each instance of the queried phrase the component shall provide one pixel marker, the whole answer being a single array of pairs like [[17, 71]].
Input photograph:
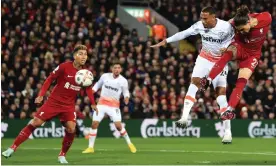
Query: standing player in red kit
[[60, 103], [251, 30]]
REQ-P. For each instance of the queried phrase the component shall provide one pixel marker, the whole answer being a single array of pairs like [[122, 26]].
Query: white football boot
[[182, 123], [8, 153], [227, 138], [62, 160]]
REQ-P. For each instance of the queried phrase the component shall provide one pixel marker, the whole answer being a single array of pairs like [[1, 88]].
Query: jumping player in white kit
[[112, 86], [216, 35]]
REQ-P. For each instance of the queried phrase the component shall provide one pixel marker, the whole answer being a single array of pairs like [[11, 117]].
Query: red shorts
[[246, 58], [50, 110]]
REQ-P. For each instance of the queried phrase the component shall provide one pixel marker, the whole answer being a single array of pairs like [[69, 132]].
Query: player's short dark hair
[[116, 62], [241, 17], [209, 9], [79, 47]]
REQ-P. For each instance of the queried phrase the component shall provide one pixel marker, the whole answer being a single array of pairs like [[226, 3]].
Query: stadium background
[[37, 35]]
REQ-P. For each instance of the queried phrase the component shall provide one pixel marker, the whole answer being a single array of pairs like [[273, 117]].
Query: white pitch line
[[226, 152], [203, 162], [175, 151]]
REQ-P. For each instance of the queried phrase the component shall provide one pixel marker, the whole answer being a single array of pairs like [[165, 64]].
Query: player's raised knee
[[36, 122], [196, 81], [220, 91], [118, 126], [95, 125], [71, 129]]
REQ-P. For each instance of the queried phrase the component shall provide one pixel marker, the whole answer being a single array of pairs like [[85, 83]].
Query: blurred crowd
[[39, 35]]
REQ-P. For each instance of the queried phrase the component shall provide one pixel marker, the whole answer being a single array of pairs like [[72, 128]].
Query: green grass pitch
[[159, 151]]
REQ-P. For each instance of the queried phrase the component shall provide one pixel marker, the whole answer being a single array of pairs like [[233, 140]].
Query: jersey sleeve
[[264, 19], [90, 95], [98, 84], [53, 76], [193, 30], [125, 89], [229, 36]]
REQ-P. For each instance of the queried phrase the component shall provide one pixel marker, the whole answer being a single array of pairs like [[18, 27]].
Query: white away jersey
[[112, 88], [213, 39]]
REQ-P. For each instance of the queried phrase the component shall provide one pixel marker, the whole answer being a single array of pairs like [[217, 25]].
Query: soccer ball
[[84, 78]]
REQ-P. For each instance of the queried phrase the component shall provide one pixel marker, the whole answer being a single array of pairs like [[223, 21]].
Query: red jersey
[[254, 40], [66, 90]]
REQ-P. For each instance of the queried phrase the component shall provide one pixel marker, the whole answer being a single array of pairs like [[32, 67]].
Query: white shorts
[[113, 113], [203, 67]]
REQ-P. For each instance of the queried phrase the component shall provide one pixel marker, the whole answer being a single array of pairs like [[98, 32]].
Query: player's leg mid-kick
[[228, 55], [56, 105], [46, 114], [23, 136], [68, 139], [247, 47], [209, 54]]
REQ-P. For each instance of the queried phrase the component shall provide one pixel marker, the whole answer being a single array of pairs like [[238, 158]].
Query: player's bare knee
[[118, 126], [196, 81], [220, 91], [245, 73], [71, 129], [36, 122], [70, 126], [95, 125]]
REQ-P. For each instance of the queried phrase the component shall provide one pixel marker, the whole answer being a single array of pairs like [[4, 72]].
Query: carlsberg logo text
[[149, 128], [51, 131], [255, 130]]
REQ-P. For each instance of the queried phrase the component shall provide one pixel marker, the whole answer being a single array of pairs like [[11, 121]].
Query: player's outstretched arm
[[126, 100], [162, 43], [126, 93], [179, 36], [53, 76], [90, 94], [44, 89], [46, 85]]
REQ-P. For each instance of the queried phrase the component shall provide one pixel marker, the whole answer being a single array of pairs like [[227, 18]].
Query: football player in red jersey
[[61, 102], [251, 30]]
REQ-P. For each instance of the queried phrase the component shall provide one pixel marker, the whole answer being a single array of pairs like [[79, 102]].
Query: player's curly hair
[[79, 47], [241, 17]]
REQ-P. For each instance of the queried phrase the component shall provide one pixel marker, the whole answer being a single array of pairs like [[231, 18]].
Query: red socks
[[66, 143], [27, 131], [218, 67], [237, 92], [23, 136]]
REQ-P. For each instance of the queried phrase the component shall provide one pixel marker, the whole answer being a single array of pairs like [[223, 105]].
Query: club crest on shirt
[[206, 30], [261, 30], [221, 34]]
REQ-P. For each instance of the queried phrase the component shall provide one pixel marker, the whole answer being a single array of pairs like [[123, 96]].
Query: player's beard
[[82, 62], [116, 74]]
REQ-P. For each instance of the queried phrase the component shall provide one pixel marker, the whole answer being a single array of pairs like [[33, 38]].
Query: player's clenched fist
[[38, 100], [94, 107]]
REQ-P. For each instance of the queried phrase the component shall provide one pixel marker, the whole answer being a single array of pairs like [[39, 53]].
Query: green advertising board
[[148, 128]]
